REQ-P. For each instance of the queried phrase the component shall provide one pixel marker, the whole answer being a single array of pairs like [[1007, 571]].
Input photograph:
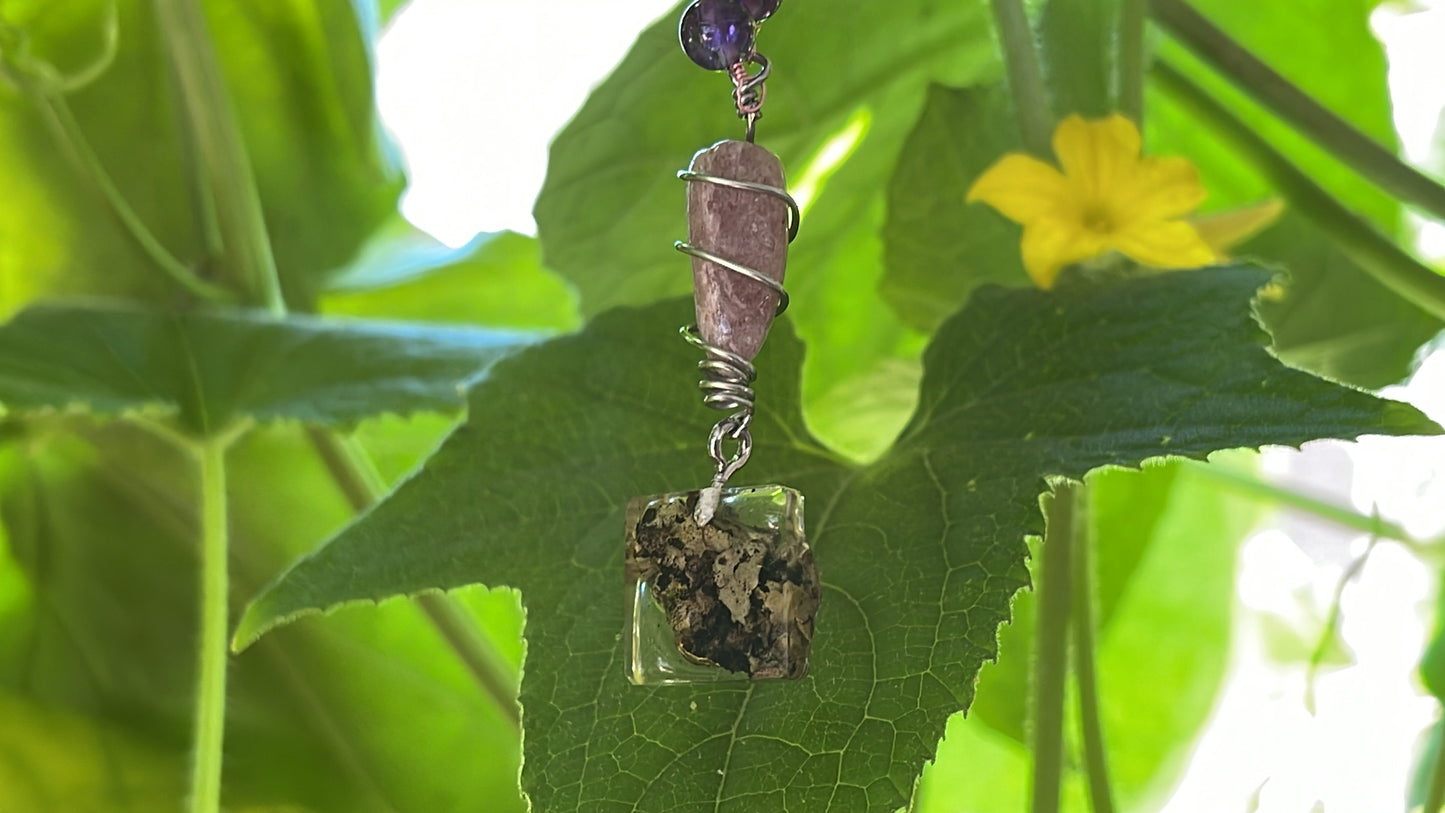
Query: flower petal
[[1224, 230], [1172, 244], [1098, 155], [1021, 187], [1160, 189], [1050, 245]]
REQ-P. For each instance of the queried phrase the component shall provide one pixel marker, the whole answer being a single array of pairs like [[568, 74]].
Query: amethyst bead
[[716, 34], [760, 10]]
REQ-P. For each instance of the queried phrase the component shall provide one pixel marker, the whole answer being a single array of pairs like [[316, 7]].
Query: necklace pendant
[[729, 599]]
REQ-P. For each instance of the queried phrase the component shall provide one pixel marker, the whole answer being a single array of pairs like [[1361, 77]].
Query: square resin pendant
[[730, 600]]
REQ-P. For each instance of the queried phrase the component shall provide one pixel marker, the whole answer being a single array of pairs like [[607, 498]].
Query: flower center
[[1098, 219]]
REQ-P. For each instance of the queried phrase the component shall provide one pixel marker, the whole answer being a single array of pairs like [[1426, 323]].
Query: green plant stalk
[[1131, 60], [206, 105], [1332, 622], [69, 132], [210, 715], [1341, 139], [1373, 525], [1376, 253], [1096, 762], [1051, 651], [363, 486], [1025, 78]]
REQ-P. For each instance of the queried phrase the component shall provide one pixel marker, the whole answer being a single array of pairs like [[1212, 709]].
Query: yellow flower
[[1107, 198]]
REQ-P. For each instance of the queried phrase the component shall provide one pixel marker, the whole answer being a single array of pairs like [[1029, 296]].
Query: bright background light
[[474, 92]]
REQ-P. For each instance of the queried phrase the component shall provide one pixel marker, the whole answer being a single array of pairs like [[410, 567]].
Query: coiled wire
[[728, 377]]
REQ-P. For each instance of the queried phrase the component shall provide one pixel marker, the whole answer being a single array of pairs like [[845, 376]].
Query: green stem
[[1332, 622], [1337, 136], [1052, 649], [1025, 79], [363, 485], [1131, 59], [68, 131], [1373, 525], [206, 104], [210, 716], [1376, 253], [1095, 756]]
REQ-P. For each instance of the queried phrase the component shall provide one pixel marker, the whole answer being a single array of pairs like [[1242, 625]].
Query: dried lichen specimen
[[738, 596]]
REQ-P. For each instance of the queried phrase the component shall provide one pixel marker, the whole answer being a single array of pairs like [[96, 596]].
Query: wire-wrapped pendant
[[721, 583]]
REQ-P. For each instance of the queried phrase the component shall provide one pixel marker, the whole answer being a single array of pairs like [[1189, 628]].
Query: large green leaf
[[299, 74], [920, 551], [939, 247], [211, 368]]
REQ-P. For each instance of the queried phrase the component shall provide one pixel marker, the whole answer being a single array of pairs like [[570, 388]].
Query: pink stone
[[747, 227]]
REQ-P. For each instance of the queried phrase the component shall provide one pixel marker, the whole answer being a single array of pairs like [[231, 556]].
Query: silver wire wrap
[[728, 377], [749, 91]]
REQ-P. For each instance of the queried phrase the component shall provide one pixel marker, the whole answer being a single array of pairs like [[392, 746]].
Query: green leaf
[[56, 760], [300, 77], [496, 280], [1124, 511], [1078, 49], [1165, 541], [1332, 318], [920, 552], [1171, 623], [940, 248], [210, 369]]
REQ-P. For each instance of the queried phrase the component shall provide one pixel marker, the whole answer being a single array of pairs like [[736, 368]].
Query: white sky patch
[[474, 92]]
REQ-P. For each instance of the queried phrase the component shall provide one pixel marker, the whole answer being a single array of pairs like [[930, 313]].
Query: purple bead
[[760, 10], [716, 34]]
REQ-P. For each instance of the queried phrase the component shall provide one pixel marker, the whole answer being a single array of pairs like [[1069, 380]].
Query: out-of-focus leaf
[[300, 77], [496, 280], [938, 248], [58, 760], [1162, 655], [212, 368], [1143, 523], [372, 713], [1022, 384], [979, 770], [1124, 512], [1332, 318]]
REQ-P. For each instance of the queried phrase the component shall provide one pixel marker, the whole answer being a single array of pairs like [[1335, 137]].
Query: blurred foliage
[[112, 375]]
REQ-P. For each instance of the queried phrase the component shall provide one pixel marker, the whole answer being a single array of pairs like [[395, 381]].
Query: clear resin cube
[[730, 600]]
